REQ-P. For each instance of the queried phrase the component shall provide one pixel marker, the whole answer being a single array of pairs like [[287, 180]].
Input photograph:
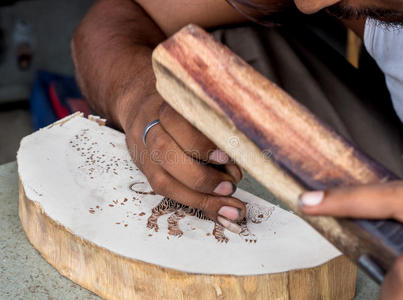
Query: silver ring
[[147, 129]]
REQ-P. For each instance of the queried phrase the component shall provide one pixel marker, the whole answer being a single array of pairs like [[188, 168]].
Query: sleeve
[[385, 45]]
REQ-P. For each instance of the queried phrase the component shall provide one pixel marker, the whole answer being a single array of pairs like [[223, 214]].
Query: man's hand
[[179, 161], [112, 50], [377, 201]]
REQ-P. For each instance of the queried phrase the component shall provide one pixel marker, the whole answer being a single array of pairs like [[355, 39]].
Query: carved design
[[257, 214], [248, 236], [218, 233], [131, 187], [173, 223]]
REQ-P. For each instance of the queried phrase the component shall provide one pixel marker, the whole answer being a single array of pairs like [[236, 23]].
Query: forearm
[[112, 55]]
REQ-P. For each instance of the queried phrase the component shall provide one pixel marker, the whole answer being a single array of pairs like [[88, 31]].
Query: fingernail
[[311, 198], [235, 228], [219, 156], [229, 212], [224, 188]]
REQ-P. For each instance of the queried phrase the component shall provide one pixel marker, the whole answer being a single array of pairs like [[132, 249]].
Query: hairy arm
[[111, 50], [112, 47]]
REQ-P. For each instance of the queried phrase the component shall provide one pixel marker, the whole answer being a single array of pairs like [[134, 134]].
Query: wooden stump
[[56, 218]]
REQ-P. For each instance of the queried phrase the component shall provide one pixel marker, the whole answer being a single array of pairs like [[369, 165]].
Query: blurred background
[[37, 86], [35, 50]]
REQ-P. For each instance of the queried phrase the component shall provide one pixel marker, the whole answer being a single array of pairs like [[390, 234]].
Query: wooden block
[[276, 139], [92, 225]]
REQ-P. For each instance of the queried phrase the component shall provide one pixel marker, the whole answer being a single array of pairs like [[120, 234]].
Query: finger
[[392, 286], [193, 142], [200, 177], [375, 201], [226, 210], [233, 170], [189, 138]]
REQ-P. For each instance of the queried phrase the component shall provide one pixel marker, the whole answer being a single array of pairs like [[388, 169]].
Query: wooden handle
[[276, 139]]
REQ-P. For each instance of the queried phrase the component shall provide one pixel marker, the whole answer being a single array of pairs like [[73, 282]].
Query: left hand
[[375, 201]]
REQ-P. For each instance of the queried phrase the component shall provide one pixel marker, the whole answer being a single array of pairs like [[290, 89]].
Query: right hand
[[178, 161], [370, 201]]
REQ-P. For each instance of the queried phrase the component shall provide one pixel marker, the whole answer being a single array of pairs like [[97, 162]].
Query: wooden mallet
[[276, 139]]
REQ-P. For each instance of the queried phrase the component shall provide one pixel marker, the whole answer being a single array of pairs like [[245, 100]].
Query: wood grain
[[272, 136], [116, 277]]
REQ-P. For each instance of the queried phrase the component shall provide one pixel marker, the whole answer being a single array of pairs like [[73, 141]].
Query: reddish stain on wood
[[289, 148]]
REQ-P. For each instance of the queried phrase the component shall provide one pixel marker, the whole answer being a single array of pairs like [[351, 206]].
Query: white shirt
[[385, 45]]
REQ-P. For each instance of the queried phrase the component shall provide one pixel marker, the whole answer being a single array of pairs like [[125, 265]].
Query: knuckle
[[135, 135], [206, 205], [131, 128], [158, 182], [193, 147], [200, 181], [157, 142]]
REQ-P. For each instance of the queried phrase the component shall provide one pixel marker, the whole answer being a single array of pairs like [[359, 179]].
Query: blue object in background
[[42, 111]]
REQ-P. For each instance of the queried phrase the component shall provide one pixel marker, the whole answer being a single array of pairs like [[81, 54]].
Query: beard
[[276, 12], [386, 17]]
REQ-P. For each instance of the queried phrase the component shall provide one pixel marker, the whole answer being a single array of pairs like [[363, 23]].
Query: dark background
[[52, 23]]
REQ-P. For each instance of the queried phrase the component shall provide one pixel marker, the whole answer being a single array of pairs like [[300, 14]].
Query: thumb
[[392, 286], [373, 201]]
